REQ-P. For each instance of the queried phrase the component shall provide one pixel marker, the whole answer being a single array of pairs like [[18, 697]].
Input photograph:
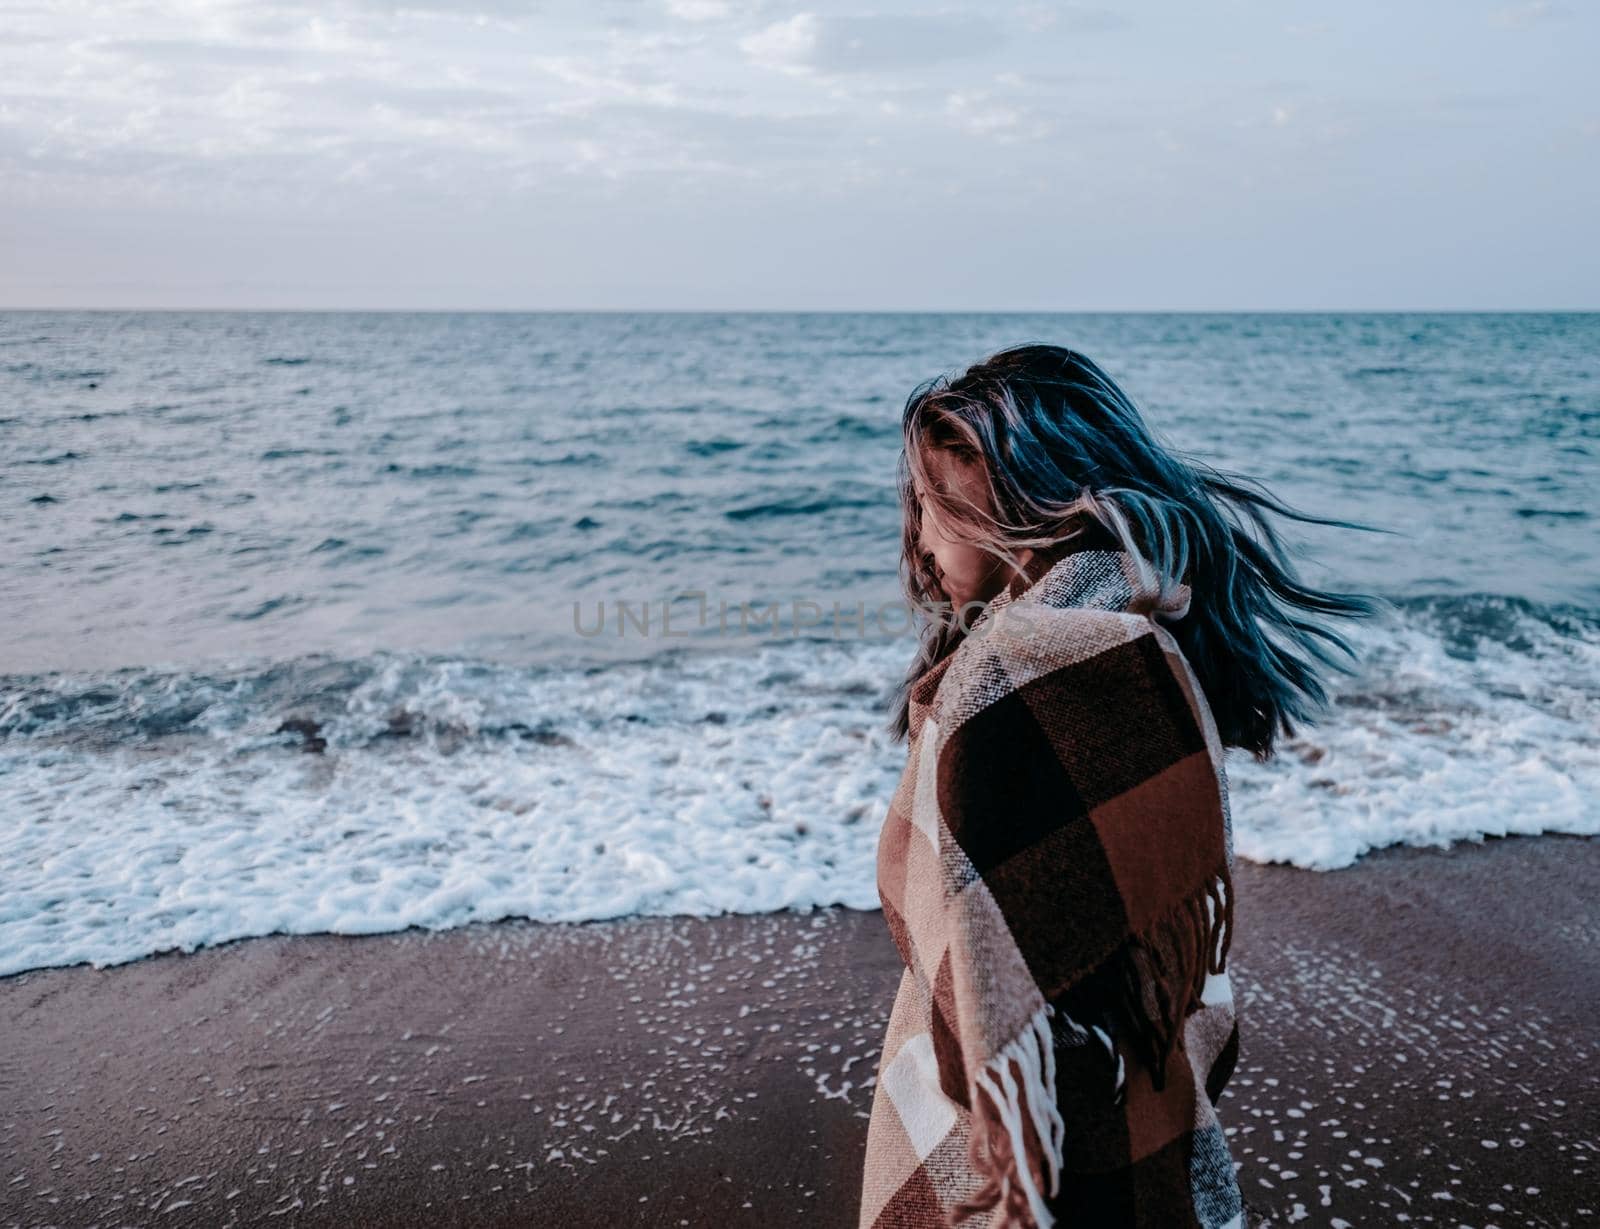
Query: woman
[[1055, 866]]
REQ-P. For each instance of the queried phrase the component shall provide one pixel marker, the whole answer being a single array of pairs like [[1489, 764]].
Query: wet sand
[[1418, 1042]]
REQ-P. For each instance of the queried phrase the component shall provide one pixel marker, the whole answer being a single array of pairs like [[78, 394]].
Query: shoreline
[[1416, 1031]]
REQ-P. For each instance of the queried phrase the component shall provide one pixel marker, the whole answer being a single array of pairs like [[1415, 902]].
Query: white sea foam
[[696, 785], [1436, 741]]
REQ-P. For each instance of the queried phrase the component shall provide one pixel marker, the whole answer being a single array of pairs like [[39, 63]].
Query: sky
[[713, 155]]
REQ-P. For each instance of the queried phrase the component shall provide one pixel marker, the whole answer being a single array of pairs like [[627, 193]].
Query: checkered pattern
[[1055, 869]]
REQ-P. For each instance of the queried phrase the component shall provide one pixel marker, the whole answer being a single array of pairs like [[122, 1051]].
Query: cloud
[[697, 10], [1528, 14], [202, 52], [809, 42], [980, 113], [421, 99], [785, 43]]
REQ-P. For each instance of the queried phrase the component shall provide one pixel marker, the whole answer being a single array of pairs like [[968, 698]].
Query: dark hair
[[1059, 442]]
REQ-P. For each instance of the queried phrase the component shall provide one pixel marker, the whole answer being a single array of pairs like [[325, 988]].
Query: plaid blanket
[[1055, 869]]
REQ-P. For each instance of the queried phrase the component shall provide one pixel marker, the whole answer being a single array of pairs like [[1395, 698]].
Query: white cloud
[[849, 44], [1530, 13], [697, 10], [980, 113], [784, 44]]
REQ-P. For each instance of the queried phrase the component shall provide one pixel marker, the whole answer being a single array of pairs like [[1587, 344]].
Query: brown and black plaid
[[1055, 869]]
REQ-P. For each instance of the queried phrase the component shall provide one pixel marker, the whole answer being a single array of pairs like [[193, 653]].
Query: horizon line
[[833, 311]]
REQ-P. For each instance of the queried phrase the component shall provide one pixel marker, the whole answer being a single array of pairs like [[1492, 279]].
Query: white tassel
[[1034, 1056], [1044, 1125], [1111, 1049]]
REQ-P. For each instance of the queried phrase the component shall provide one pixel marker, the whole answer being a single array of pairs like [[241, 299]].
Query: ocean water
[[322, 622]]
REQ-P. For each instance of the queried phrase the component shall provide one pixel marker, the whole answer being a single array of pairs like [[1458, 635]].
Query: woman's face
[[966, 574]]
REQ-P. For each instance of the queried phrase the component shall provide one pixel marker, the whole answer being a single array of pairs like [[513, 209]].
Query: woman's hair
[[1058, 442]]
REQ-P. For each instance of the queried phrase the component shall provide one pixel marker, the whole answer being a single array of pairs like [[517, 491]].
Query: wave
[[167, 809], [1471, 716]]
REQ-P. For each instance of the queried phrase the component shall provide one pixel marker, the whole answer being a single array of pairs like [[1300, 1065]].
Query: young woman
[[1055, 866]]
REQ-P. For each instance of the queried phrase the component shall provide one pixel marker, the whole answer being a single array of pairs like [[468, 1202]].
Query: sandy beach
[[1418, 1040]]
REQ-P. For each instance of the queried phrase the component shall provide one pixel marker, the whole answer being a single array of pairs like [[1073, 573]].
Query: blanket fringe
[[1162, 972], [1159, 980], [1010, 1182]]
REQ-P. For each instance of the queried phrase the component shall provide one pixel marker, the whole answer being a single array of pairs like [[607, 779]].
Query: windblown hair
[[1060, 444]]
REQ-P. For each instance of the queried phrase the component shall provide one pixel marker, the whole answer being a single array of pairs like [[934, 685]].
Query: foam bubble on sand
[[148, 811]]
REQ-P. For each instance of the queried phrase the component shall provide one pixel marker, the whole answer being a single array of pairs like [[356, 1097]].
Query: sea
[[320, 622]]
